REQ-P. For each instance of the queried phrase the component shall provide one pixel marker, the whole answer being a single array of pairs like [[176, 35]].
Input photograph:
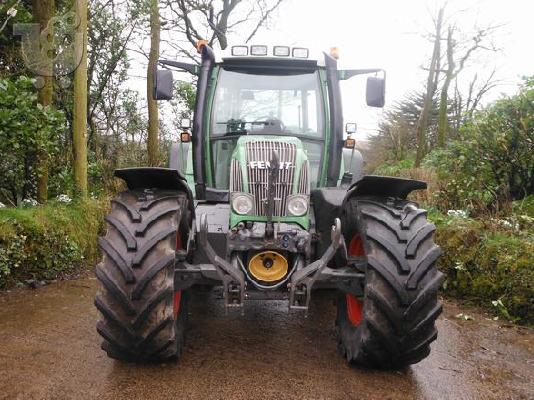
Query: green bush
[[44, 242], [524, 206], [489, 262], [394, 168], [27, 130], [492, 161]]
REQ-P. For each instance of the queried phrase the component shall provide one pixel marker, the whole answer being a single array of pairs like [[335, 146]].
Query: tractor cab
[[269, 103], [260, 96]]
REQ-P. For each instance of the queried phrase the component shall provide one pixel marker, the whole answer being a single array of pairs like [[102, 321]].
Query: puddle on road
[[50, 349]]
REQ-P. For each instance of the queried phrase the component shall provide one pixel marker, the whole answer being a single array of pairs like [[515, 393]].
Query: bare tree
[[431, 87], [110, 29], [213, 21], [455, 65], [478, 91]]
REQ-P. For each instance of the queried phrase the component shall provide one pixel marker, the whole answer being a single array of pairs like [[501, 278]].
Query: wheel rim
[[354, 305], [356, 246], [354, 309]]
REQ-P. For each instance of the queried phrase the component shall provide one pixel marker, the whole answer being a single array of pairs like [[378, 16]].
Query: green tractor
[[265, 195]]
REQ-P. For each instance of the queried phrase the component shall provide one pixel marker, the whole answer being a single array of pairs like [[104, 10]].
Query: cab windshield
[[267, 104], [280, 105]]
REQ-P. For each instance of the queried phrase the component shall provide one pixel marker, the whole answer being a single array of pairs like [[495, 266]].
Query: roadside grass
[[489, 262], [44, 242]]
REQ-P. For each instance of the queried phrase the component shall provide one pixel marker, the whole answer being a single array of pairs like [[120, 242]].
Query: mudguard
[[155, 178], [384, 186], [328, 202]]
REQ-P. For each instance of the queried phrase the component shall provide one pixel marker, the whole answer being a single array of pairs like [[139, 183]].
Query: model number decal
[[267, 165]]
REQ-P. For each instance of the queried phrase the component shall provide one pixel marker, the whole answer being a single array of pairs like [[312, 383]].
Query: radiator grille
[[304, 182], [236, 177], [258, 179]]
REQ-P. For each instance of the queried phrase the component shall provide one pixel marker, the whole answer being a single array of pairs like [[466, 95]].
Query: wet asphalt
[[49, 349]]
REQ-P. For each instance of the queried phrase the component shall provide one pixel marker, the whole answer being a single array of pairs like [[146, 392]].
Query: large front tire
[[142, 318], [393, 324]]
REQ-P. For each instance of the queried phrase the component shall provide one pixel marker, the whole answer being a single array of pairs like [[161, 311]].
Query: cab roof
[[270, 65]]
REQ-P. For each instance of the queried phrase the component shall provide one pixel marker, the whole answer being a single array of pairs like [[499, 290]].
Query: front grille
[[236, 177], [258, 179], [304, 182]]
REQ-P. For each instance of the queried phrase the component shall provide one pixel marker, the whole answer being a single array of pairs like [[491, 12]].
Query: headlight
[[297, 205], [242, 203]]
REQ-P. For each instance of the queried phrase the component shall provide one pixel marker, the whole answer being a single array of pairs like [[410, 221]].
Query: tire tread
[[402, 281]]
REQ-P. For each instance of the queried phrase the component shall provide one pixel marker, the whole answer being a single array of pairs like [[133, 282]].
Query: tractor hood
[[252, 170]]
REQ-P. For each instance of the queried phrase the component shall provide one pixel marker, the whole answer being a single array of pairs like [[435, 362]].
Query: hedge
[[490, 263], [44, 242]]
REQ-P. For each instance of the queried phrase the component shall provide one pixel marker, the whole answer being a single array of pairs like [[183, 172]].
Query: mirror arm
[[191, 68], [349, 73]]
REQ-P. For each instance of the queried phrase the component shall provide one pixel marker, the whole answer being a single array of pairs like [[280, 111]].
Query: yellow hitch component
[[268, 266]]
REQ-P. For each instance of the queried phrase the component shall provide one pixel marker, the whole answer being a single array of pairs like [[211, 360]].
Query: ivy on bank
[[45, 242]]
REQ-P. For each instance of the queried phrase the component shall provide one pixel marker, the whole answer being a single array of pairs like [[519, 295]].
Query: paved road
[[49, 350]]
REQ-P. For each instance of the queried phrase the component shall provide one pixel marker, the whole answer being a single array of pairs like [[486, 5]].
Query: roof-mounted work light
[[239, 50], [258, 50], [300, 52], [281, 51]]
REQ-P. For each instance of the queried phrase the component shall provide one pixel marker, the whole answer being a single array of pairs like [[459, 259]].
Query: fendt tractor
[[266, 197]]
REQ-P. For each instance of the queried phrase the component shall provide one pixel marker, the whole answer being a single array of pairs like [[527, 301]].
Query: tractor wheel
[[393, 324], [142, 317]]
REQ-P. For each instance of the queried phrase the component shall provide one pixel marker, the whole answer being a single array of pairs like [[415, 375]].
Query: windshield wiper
[[243, 123], [234, 133]]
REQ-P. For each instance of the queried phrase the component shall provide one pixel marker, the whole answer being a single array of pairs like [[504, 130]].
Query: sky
[[389, 34]]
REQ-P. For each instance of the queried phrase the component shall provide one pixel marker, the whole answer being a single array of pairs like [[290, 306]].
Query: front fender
[[158, 179], [152, 178], [384, 186]]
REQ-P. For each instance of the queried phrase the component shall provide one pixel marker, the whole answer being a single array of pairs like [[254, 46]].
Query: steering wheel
[[268, 121]]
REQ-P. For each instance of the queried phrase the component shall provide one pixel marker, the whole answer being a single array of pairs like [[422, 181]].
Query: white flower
[[63, 198], [457, 213], [2, 205], [12, 12], [508, 224], [29, 203]]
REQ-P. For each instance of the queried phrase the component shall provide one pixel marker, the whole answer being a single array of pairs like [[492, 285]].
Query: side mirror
[[376, 92], [163, 85]]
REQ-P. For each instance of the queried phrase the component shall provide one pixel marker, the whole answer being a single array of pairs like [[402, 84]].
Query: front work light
[[242, 203], [258, 50], [297, 205], [240, 51], [300, 52], [281, 51]]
